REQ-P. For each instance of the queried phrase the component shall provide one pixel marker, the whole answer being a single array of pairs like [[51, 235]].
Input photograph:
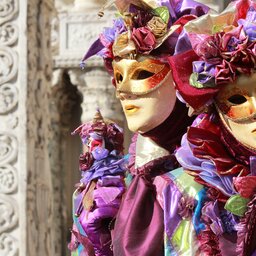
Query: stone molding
[[9, 208], [26, 215], [77, 31], [97, 91], [8, 10], [74, 34]]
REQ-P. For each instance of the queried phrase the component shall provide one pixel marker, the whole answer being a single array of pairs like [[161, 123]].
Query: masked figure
[[219, 149], [98, 196], [135, 52]]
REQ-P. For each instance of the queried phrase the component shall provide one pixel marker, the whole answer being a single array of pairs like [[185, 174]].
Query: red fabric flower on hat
[[144, 39], [236, 53]]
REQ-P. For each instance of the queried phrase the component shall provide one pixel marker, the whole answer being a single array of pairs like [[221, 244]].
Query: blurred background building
[[44, 96]]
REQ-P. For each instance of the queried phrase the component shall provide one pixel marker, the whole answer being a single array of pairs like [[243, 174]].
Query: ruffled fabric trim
[[207, 145], [204, 155], [246, 239], [208, 238], [209, 243], [207, 155], [153, 168], [111, 165]]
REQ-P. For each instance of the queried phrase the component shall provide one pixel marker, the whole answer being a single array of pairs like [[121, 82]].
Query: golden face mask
[[236, 104], [139, 77]]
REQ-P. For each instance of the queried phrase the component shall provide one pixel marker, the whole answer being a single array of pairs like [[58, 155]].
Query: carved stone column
[[11, 208], [26, 215], [40, 214], [64, 152], [77, 31], [94, 84]]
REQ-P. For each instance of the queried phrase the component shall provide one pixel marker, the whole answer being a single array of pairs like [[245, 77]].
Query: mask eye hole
[[142, 74], [237, 99], [119, 78]]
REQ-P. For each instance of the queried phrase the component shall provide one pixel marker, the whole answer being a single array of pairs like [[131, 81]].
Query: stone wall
[[39, 198], [26, 203], [12, 163]]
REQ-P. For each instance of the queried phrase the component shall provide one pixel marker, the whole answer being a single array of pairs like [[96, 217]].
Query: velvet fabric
[[181, 66], [168, 134]]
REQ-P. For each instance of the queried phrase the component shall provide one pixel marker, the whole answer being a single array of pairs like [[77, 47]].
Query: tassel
[[104, 7]]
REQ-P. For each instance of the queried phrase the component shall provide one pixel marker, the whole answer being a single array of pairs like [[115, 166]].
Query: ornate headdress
[[102, 129], [145, 27], [224, 48]]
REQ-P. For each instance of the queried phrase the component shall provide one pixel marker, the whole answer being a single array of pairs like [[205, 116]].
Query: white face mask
[[148, 100], [236, 104]]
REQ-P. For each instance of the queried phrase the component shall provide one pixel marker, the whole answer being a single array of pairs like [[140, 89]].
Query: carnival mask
[[95, 141], [145, 89], [236, 104], [139, 77]]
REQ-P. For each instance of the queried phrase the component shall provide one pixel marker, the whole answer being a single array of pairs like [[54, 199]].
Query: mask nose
[[123, 95], [123, 82], [123, 91]]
